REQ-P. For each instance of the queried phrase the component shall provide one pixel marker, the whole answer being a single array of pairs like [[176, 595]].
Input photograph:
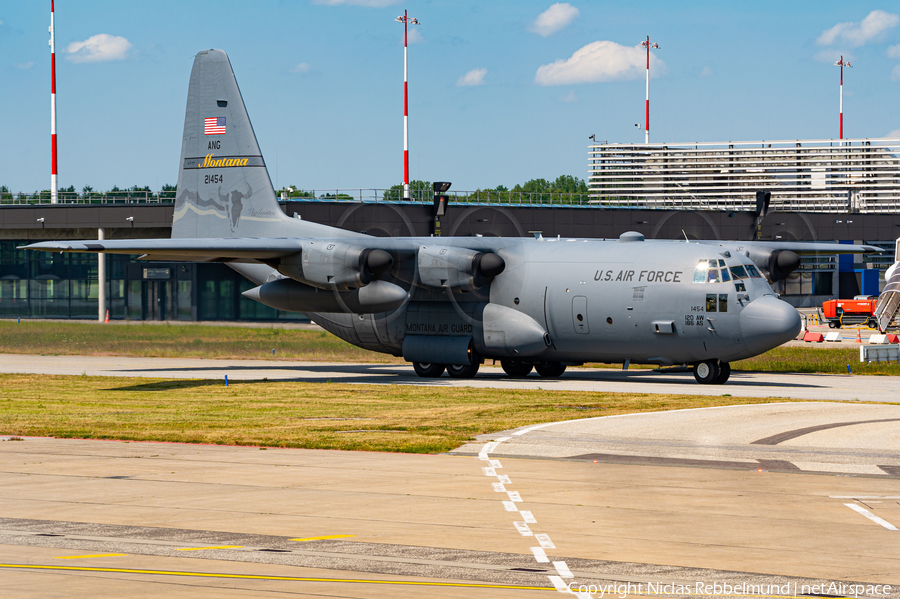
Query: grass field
[[204, 341], [400, 418]]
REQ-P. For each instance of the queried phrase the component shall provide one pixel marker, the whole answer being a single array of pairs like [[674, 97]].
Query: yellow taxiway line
[[322, 538], [283, 578]]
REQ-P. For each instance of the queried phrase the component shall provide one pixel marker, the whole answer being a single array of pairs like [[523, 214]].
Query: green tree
[[418, 191]]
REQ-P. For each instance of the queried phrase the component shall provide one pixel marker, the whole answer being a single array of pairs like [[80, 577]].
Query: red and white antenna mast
[[54, 194], [655, 46], [406, 22], [842, 63]]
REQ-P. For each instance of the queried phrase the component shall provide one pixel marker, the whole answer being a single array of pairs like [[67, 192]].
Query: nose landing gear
[[712, 372]]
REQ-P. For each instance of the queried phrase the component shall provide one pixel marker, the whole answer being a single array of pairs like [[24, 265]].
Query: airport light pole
[[54, 194], [842, 63], [646, 44], [406, 23]]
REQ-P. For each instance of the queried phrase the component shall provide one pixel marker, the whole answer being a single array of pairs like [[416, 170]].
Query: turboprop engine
[[335, 265], [776, 264], [442, 266]]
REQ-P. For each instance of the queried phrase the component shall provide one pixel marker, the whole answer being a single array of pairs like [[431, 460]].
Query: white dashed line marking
[[560, 584], [563, 569], [540, 556], [499, 487], [523, 529], [528, 517], [503, 479], [514, 495], [545, 541], [495, 464], [489, 472], [871, 516], [509, 506]]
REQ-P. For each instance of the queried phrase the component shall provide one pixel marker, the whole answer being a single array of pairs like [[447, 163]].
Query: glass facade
[[48, 285]]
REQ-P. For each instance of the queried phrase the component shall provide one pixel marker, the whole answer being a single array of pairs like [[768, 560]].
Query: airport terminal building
[[820, 191]]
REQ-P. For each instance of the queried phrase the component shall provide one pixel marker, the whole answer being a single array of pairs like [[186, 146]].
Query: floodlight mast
[[842, 63], [646, 44], [406, 22], [54, 193]]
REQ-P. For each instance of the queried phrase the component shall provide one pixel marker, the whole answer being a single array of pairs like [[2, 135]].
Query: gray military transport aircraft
[[449, 303]]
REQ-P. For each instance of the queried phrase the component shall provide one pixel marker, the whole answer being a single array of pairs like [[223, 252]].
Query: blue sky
[[323, 83]]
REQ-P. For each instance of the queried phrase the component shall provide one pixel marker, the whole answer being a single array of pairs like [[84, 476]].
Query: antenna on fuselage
[[685, 236]]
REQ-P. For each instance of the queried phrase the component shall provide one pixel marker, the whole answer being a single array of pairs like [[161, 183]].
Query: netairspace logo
[[622, 589]]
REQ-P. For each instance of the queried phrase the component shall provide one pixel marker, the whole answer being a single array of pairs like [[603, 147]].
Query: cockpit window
[[716, 271], [738, 272]]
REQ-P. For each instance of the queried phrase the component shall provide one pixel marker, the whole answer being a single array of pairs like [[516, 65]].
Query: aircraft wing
[[189, 250], [802, 248]]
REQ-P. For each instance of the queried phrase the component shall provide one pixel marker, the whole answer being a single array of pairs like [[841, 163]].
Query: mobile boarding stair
[[888, 304]]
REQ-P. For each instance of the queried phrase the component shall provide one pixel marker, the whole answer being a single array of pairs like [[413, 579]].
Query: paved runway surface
[[789, 386], [115, 519]]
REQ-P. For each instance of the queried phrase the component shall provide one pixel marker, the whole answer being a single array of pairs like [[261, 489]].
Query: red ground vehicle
[[849, 312]]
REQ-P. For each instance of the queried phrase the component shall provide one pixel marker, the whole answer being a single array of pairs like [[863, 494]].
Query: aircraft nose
[[767, 323]]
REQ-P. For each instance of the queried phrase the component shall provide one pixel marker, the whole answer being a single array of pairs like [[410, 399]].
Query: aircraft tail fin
[[224, 189]]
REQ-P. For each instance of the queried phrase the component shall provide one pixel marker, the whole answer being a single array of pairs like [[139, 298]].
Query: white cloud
[[99, 48], [895, 133], [303, 67], [415, 37], [369, 3], [893, 51], [554, 18], [857, 34], [569, 98], [895, 74], [473, 77], [706, 72], [598, 62], [24, 65]]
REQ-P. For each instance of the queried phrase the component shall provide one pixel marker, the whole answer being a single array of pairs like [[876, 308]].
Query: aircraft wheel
[[428, 371], [550, 369], [872, 323], [706, 372], [515, 368], [724, 373], [464, 371]]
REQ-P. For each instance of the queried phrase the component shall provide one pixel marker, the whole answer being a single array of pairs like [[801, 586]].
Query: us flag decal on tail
[[214, 125]]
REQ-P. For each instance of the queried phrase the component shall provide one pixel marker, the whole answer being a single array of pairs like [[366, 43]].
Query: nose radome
[[767, 323]]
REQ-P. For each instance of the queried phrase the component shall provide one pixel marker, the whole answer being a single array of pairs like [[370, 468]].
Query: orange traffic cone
[[107, 317], [858, 338]]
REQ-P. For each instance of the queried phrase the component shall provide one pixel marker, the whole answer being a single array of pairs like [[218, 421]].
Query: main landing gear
[[458, 371], [712, 372]]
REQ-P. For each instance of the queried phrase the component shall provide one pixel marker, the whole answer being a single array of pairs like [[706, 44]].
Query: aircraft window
[[713, 276], [711, 300], [721, 264], [739, 286], [723, 302], [738, 272], [751, 270], [700, 272], [725, 276]]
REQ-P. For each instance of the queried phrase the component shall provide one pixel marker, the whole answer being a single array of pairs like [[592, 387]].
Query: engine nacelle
[[443, 266], [775, 264], [294, 296], [335, 265]]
